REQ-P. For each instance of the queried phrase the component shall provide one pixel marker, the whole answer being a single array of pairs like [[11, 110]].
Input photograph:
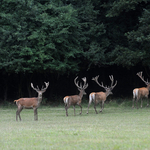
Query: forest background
[[57, 40]]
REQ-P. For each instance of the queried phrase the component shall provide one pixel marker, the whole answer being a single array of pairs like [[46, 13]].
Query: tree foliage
[[140, 39], [63, 37], [130, 18], [39, 36]]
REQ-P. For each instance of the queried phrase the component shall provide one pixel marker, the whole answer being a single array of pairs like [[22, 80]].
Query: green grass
[[119, 127]]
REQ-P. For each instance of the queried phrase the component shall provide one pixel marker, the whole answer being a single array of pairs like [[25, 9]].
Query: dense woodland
[[57, 40]]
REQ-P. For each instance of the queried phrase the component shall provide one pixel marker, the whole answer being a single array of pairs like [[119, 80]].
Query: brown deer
[[100, 97], [76, 99], [140, 93], [30, 102]]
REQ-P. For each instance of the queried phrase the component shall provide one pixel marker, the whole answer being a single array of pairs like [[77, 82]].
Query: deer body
[[100, 97], [75, 99], [72, 100], [28, 103], [97, 98], [140, 93]]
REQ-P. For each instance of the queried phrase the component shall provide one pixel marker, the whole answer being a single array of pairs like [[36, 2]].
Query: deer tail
[[91, 97], [135, 93], [16, 101], [66, 100]]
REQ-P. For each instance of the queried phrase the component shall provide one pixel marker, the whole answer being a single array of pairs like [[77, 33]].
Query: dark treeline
[[57, 40]]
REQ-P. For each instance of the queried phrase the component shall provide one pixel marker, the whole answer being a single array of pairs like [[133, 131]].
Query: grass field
[[118, 127]]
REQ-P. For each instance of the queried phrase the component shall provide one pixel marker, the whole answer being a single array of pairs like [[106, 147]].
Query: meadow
[[118, 127]]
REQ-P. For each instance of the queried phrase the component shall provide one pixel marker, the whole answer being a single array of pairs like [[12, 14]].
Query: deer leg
[[90, 101], [147, 102], [66, 108], [141, 102], [89, 106], [95, 108], [137, 103], [35, 114], [133, 103], [102, 106], [81, 109], [74, 110], [18, 113], [66, 111]]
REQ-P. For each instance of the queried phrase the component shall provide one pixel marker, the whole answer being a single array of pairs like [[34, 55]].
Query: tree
[[139, 39], [93, 32], [125, 15], [39, 36]]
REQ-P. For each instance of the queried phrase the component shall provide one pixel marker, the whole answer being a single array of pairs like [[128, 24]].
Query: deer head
[[107, 88], [40, 92], [81, 87]]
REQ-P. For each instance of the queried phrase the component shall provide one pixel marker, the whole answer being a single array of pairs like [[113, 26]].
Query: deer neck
[[81, 94], [148, 87], [107, 93], [39, 98]]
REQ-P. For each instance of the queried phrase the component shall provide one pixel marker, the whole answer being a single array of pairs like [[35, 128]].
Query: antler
[[85, 85], [36, 89], [96, 80], [46, 84], [142, 78], [43, 89], [105, 87], [112, 82]]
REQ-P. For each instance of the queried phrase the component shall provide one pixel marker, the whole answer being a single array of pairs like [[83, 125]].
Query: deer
[[100, 97], [76, 99], [140, 93], [29, 103]]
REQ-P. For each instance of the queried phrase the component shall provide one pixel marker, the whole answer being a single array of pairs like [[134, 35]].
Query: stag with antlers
[[140, 93], [30, 102], [76, 99], [100, 97]]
